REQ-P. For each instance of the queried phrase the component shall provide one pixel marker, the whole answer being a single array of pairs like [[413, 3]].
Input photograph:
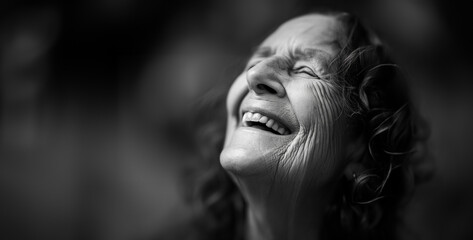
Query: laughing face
[[285, 119]]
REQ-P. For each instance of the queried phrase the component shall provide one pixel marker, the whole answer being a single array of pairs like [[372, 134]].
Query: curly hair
[[390, 141], [390, 137]]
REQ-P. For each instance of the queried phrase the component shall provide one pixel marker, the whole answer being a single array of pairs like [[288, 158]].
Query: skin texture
[[287, 180]]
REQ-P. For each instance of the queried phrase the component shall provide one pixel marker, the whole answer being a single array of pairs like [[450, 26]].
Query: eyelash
[[300, 69], [306, 70]]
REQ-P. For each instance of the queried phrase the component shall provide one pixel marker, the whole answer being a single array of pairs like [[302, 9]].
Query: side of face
[[285, 119]]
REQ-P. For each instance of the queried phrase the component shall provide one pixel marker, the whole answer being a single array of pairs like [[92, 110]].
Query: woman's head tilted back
[[284, 110], [320, 135]]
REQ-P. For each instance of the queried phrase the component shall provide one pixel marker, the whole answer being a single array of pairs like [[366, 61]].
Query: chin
[[235, 161], [251, 151], [242, 162]]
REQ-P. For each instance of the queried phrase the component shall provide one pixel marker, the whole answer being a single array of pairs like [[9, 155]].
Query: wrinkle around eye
[[304, 70]]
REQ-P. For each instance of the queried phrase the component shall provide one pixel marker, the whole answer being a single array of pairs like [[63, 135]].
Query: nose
[[265, 78]]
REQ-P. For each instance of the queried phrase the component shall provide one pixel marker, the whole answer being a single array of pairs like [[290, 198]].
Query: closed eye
[[307, 71]]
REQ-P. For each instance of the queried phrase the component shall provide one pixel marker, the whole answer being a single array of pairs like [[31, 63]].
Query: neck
[[275, 214]]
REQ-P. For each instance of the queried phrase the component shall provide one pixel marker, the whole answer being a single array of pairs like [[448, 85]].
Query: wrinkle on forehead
[[321, 32], [294, 52]]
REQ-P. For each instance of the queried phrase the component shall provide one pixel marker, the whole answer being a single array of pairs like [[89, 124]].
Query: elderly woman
[[320, 139]]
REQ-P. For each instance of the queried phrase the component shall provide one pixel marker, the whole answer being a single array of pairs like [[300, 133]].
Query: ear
[[354, 154], [353, 169]]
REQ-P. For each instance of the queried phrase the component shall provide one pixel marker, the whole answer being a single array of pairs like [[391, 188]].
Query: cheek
[[315, 152], [317, 104], [235, 95]]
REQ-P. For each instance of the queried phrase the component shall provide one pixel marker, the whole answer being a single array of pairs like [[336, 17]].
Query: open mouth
[[265, 123]]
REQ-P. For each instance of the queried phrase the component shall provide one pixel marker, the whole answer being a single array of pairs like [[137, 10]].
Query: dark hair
[[389, 137], [390, 140]]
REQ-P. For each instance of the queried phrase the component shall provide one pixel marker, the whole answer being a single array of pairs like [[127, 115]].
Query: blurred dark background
[[97, 103]]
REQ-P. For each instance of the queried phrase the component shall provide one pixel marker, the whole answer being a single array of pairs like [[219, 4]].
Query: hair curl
[[389, 138]]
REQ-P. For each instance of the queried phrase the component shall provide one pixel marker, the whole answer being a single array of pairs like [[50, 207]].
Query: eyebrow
[[308, 53], [297, 52]]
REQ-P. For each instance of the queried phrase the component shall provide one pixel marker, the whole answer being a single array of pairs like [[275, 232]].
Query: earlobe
[[353, 169], [354, 154], [355, 150]]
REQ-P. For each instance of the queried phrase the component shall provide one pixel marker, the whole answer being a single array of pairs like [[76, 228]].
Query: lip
[[273, 112]]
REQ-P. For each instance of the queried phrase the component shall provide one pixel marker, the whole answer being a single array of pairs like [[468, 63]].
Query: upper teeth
[[270, 123]]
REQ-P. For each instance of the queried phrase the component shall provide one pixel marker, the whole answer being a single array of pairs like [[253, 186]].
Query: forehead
[[317, 31]]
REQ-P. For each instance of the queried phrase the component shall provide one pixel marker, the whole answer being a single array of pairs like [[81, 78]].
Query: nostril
[[266, 88]]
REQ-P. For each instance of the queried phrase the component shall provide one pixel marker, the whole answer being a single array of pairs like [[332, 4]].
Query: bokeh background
[[98, 104]]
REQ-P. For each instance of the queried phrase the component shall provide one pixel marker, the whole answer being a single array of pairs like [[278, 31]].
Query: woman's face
[[284, 112]]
